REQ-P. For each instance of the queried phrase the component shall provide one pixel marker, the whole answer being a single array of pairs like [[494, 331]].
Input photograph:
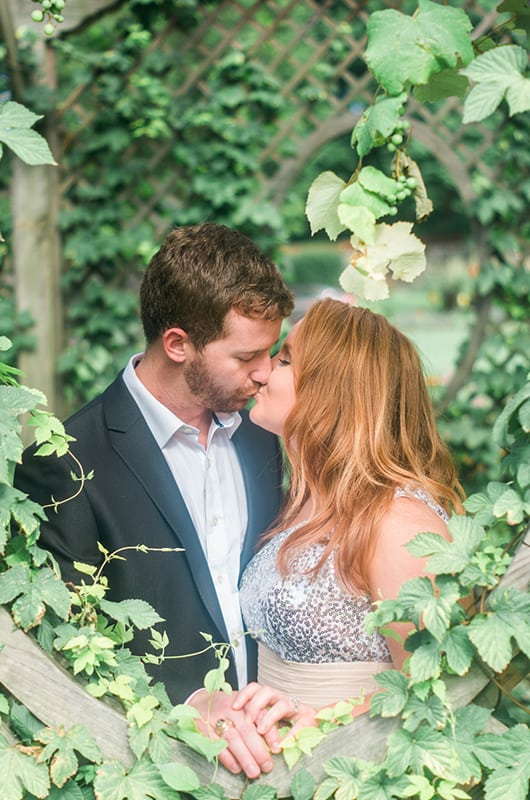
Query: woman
[[368, 473]]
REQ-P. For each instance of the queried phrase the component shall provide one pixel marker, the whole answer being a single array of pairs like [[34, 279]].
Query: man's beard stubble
[[207, 391]]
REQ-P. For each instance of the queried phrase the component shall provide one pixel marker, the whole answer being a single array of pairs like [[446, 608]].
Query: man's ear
[[177, 345]]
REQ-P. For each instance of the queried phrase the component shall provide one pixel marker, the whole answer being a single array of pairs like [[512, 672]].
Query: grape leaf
[[179, 776], [132, 611], [512, 782], [356, 195], [259, 792], [302, 785], [359, 220], [60, 748], [458, 649], [377, 122], [497, 73], [448, 557], [21, 774], [492, 632], [436, 37], [33, 591], [70, 791], [322, 202], [511, 505], [468, 722], [423, 748], [447, 83], [425, 661], [362, 285], [142, 782]]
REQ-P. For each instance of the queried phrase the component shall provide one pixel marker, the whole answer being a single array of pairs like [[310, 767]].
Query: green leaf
[[133, 611], [15, 115], [425, 662], [259, 792], [322, 202], [510, 504], [210, 792], [347, 772], [60, 747], [447, 83], [502, 425], [391, 702], [377, 123], [497, 65], [379, 786], [512, 782], [209, 748], [373, 180], [326, 788], [179, 777], [498, 72], [468, 722], [354, 195], [21, 774], [503, 751], [35, 591], [357, 219], [524, 416], [437, 37], [142, 782], [424, 748], [70, 791], [430, 710], [492, 632], [308, 738], [458, 649], [448, 557], [302, 785], [28, 145], [482, 101]]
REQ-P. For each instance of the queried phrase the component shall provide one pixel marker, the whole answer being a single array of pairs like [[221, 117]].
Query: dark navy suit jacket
[[132, 499]]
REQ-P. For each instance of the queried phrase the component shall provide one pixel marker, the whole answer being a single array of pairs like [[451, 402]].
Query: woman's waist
[[318, 684]]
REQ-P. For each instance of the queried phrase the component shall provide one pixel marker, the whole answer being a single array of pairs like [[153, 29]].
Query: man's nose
[[262, 371]]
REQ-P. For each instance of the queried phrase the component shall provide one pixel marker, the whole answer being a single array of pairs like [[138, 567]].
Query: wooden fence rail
[[56, 698]]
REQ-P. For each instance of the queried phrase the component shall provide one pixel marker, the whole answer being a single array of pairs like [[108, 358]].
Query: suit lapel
[[134, 442], [244, 446]]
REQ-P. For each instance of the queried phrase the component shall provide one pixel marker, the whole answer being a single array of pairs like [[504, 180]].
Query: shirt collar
[[162, 422]]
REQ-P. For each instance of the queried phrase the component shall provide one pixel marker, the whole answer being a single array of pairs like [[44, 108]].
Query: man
[[177, 464]]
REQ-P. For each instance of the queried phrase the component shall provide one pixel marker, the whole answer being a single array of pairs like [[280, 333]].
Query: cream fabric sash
[[318, 685]]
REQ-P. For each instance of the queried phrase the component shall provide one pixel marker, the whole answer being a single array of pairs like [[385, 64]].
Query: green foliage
[[406, 52], [203, 148], [16, 123], [436, 752]]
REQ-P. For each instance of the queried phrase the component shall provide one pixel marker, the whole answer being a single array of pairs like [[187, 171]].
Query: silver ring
[[223, 725], [296, 703]]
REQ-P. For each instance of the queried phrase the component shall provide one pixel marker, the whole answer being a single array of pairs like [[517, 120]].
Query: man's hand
[[246, 749], [265, 707]]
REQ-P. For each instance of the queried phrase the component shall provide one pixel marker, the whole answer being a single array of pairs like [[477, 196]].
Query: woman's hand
[[265, 707]]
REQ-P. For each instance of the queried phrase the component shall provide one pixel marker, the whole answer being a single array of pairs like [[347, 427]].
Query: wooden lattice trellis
[[312, 51], [290, 41]]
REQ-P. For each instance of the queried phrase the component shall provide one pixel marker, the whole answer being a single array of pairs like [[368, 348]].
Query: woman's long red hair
[[363, 424]]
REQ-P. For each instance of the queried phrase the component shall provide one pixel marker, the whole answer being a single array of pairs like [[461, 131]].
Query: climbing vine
[[437, 751]]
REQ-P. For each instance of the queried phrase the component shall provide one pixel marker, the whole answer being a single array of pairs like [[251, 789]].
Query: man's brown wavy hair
[[363, 425], [199, 274]]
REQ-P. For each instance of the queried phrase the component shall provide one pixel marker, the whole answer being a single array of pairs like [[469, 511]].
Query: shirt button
[[214, 521], [219, 579]]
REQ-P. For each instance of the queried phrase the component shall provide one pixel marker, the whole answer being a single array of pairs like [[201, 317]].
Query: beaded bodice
[[305, 619]]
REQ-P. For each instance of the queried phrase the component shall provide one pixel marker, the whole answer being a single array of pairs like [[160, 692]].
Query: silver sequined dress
[[304, 620]]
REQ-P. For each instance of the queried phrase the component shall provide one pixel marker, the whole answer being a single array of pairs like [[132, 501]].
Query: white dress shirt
[[211, 484]]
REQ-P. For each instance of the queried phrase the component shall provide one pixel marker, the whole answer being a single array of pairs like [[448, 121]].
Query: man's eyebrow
[[252, 352]]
